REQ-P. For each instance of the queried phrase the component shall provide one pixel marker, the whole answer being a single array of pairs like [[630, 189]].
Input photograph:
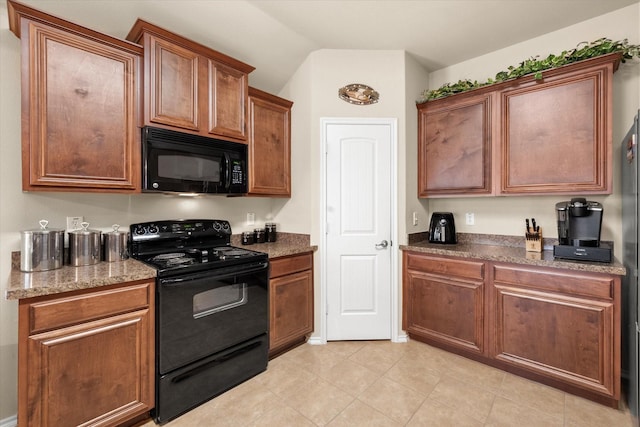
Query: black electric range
[[212, 310]]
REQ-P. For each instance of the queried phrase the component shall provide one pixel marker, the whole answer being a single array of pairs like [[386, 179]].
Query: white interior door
[[358, 230]]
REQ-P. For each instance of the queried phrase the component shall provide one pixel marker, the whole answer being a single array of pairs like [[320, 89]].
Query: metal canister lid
[[43, 229], [85, 230], [116, 231]]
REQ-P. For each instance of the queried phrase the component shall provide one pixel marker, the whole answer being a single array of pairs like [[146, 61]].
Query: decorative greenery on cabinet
[[534, 65]]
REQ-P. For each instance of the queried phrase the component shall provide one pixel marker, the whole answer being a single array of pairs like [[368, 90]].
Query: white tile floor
[[379, 383]]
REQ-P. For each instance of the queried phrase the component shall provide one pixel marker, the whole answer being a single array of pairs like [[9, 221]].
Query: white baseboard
[[402, 338], [9, 422], [312, 341]]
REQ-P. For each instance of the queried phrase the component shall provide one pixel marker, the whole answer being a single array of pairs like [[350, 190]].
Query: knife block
[[533, 241]]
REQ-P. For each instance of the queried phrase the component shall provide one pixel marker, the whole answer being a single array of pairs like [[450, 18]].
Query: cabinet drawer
[[445, 266], [289, 265], [568, 282], [66, 311]]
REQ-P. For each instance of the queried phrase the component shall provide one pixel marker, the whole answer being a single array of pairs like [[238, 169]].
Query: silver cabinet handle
[[382, 244]]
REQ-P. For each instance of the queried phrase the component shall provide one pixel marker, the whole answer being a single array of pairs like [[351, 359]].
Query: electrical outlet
[[471, 218], [73, 222], [415, 218], [251, 218]]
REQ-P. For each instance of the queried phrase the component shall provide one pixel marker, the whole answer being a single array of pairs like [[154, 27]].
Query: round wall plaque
[[358, 94]]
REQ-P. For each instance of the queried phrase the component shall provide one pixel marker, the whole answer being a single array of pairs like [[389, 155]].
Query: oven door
[[206, 312]]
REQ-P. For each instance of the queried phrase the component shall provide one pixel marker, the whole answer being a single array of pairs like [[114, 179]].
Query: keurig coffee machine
[[579, 226]]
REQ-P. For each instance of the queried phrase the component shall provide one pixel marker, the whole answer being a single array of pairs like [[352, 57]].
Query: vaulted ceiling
[[276, 36]]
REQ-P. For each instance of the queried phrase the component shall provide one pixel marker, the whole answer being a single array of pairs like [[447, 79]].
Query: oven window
[[176, 166], [219, 299]]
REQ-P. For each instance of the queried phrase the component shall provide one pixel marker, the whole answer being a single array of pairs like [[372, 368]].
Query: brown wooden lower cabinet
[[556, 326], [86, 357], [444, 301], [291, 302]]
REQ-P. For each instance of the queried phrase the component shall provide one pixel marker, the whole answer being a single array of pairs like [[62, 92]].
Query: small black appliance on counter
[[442, 228], [579, 226]]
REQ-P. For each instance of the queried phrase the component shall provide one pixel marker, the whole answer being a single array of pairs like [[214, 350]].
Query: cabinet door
[[291, 311], [227, 101], [96, 373], [269, 145], [80, 112], [171, 95], [442, 306], [564, 327], [454, 146], [556, 134]]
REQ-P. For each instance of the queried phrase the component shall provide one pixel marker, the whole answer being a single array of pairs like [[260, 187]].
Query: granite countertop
[[509, 249], [68, 278], [285, 245], [26, 285]]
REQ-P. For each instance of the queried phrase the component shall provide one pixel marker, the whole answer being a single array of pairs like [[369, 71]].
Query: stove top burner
[[202, 258], [184, 246]]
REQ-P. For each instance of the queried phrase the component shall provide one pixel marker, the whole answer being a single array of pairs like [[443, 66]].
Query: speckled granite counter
[[506, 249], [65, 279], [285, 244]]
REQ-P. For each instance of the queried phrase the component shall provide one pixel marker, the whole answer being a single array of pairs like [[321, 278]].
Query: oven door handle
[[215, 274]]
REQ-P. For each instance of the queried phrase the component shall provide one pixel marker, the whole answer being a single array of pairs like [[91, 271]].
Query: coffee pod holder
[[533, 240]]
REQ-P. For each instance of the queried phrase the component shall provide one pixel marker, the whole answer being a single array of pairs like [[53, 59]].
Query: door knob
[[382, 244]]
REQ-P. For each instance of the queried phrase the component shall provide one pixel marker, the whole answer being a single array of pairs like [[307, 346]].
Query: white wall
[[505, 215], [415, 83], [314, 89]]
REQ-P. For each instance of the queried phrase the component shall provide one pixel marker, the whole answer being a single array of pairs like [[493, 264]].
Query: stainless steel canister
[[85, 246], [115, 245], [42, 249]]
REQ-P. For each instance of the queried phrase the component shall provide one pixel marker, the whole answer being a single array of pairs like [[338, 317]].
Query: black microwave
[[178, 162]]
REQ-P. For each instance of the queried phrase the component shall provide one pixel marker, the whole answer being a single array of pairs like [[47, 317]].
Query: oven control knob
[[216, 226], [153, 229], [139, 230], [225, 226]]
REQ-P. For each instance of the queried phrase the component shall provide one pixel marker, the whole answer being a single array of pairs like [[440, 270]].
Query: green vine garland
[[581, 52]]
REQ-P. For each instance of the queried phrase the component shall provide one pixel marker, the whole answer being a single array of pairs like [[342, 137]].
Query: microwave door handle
[[227, 173]]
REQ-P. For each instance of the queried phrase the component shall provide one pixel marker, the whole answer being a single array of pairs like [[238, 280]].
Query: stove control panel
[[177, 228]]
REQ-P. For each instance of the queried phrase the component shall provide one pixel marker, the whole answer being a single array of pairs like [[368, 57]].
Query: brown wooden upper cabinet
[[524, 136], [190, 87], [269, 144], [79, 106], [454, 146]]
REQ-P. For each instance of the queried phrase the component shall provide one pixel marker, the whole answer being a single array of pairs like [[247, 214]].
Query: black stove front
[[211, 310]]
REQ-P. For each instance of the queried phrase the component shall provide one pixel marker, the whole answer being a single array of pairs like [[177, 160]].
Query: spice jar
[[270, 231], [258, 235], [247, 238]]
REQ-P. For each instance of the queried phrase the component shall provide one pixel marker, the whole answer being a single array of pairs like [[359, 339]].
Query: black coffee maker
[[442, 228], [579, 227]]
